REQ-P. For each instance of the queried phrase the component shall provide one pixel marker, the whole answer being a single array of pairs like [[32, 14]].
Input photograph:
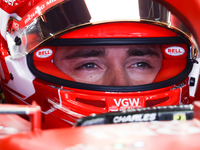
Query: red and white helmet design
[[31, 37]]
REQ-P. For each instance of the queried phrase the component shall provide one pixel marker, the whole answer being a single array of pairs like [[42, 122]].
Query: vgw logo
[[127, 102]]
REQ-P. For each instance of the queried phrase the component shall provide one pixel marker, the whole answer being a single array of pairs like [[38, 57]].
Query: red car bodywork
[[16, 134]]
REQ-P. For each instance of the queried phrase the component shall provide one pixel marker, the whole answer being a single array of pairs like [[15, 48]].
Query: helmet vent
[[96, 103], [151, 103]]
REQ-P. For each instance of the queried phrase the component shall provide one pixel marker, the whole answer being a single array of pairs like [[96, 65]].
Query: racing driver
[[81, 57]]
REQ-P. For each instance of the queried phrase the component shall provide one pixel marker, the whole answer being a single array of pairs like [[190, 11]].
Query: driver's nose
[[117, 76]]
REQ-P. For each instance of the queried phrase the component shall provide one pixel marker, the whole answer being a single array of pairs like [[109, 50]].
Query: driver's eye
[[141, 65], [87, 66]]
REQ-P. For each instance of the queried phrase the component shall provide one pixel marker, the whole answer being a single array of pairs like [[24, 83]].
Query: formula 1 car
[[155, 127]]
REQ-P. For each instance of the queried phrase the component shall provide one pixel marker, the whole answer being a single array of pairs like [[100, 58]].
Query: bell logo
[[175, 51], [44, 53], [127, 102]]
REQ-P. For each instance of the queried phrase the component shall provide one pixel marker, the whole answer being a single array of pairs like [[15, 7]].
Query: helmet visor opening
[[122, 65], [112, 66]]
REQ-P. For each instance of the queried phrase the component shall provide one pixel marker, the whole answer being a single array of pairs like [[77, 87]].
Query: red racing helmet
[[66, 56]]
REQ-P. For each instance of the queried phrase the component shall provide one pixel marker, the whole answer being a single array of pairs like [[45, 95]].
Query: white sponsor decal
[[134, 118], [15, 25], [44, 53], [10, 2], [127, 102], [113, 108], [175, 51], [50, 1], [32, 15], [94, 121], [38, 10], [127, 108]]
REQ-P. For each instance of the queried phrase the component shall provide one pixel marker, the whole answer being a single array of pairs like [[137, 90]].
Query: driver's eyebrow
[[85, 53], [142, 52]]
